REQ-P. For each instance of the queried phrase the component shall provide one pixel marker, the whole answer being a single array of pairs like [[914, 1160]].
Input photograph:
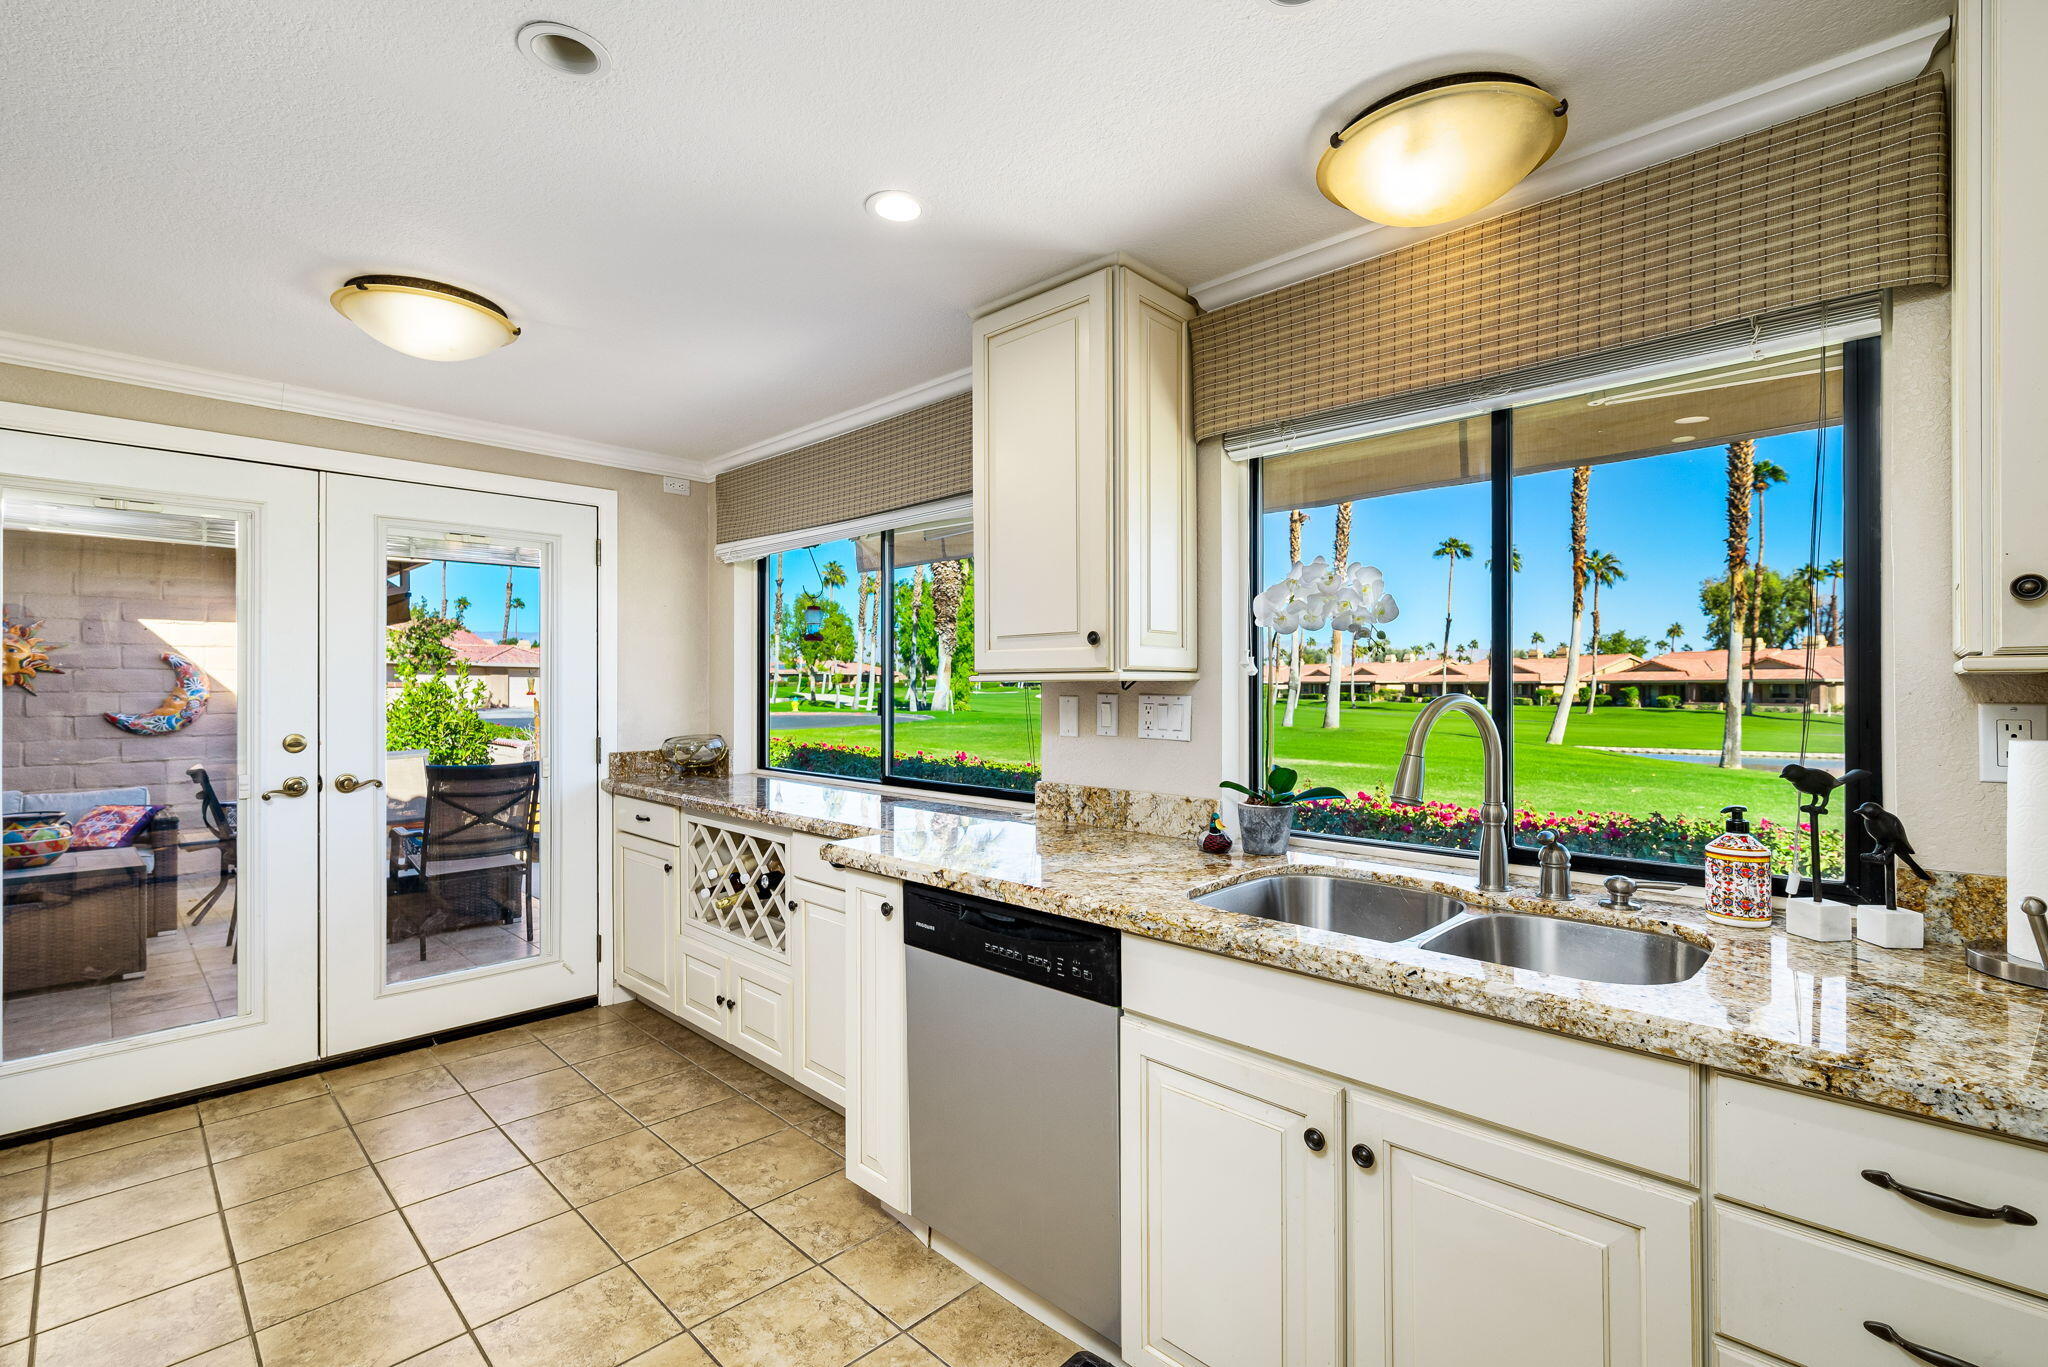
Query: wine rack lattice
[[738, 886]]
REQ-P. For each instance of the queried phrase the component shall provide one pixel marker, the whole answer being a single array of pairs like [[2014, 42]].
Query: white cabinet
[[1471, 1249], [1231, 1227], [878, 1076], [1084, 482], [739, 997], [823, 946], [645, 886]]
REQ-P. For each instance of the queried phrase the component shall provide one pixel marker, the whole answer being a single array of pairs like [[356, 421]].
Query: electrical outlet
[[1166, 716], [676, 484], [1999, 724], [1070, 715], [1105, 714]]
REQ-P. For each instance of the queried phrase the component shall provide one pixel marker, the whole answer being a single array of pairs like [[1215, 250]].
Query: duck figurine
[[1215, 840]]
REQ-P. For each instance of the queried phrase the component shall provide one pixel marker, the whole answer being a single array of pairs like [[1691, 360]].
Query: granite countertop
[[1913, 1031]]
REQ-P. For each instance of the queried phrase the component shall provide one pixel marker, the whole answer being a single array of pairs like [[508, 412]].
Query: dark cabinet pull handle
[[1932, 1356], [888, 910], [1363, 1155], [668, 868], [1315, 1141], [1954, 1205], [640, 817]]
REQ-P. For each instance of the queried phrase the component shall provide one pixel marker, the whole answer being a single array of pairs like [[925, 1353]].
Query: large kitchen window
[[868, 667], [1663, 590]]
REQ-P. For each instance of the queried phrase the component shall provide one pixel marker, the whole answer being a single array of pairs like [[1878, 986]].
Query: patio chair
[[223, 824], [477, 841]]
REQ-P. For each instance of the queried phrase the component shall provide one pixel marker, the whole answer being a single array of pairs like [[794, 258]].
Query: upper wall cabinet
[[2001, 351], [1084, 483]]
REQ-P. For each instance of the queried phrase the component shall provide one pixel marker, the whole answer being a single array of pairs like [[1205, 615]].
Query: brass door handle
[[348, 783], [291, 787]]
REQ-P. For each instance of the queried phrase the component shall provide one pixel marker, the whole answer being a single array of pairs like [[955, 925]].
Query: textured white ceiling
[[683, 237]]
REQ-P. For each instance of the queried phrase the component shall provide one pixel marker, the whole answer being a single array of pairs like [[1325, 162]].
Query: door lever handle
[[291, 787], [348, 783]]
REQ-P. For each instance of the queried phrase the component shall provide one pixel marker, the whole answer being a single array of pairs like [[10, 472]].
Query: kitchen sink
[[1571, 949], [1349, 906]]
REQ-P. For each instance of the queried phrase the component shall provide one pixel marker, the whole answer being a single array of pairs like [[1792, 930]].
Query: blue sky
[[1664, 517], [484, 586]]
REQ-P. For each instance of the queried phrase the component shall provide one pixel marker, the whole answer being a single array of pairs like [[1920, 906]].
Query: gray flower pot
[[1263, 829]]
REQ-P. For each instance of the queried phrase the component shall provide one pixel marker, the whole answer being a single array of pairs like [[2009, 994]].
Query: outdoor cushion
[[112, 827], [72, 805]]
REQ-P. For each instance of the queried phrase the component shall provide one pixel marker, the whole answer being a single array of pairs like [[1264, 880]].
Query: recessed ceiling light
[[563, 50], [424, 318], [894, 205], [1699, 418]]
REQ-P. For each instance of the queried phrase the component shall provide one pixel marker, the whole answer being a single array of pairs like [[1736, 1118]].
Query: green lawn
[[1002, 723]]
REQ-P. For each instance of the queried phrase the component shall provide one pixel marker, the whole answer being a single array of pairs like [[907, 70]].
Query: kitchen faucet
[[1493, 807]]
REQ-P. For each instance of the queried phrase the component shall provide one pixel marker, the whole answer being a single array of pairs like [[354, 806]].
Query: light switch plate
[[1165, 716], [1999, 724], [1105, 714], [1070, 715]]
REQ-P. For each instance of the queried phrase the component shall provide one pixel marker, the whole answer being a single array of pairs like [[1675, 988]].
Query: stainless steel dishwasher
[[1013, 1093]]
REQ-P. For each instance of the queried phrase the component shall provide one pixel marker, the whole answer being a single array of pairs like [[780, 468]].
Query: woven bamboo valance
[[916, 457], [1842, 202]]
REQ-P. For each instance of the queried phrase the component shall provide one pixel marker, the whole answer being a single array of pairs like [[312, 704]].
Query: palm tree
[[1834, 574], [1604, 569], [865, 679], [1674, 636], [946, 584], [512, 611], [1809, 577], [1451, 550], [1763, 474], [1536, 642], [1296, 520], [775, 622], [1582, 478], [1741, 486], [506, 634], [1340, 654], [913, 659]]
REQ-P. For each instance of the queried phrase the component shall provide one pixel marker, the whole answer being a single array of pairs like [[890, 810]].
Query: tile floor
[[597, 1189]]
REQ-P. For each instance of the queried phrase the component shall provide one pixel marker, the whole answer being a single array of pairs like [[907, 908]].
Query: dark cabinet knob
[[888, 910], [1094, 638], [1363, 1155], [668, 868], [721, 999], [2028, 587], [731, 1002], [1315, 1141]]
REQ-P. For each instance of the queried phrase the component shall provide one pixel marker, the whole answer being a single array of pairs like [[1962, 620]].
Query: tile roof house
[[1781, 675]]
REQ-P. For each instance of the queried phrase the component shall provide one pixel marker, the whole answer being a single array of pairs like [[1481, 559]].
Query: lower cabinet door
[[761, 1003], [644, 891], [1232, 1225], [821, 946], [878, 1085], [700, 994], [1473, 1249]]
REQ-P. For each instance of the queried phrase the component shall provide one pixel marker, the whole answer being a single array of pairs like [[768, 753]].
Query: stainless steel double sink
[[1433, 921]]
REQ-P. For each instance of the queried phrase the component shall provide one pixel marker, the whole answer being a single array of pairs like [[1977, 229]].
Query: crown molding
[[120, 367], [1858, 72], [902, 401]]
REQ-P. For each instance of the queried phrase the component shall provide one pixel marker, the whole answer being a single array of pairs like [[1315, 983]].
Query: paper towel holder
[[1992, 959]]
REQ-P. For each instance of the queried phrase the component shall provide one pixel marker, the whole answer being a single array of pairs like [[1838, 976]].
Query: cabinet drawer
[[649, 819], [1806, 1297], [807, 862], [1805, 1156]]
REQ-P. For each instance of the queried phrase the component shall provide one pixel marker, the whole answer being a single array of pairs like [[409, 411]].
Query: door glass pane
[[120, 763], [1415, 505], [1638, 752], [464, 830], [947, 727], [822, 678]]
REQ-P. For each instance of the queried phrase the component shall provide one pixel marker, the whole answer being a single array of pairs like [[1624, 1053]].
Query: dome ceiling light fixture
[[424, 318], [1442, 148]]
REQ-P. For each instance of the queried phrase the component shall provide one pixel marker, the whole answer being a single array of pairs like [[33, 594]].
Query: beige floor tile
[[81, 1179], [472, 1046], [531, 1095], [713, 1270], [718, 1128], [378, 1327], [247, 1134], [567, 1024], [520, 1059], [123, 1272], [519, 1268], [798, 1108], [643, 1218], [981, 1329], [687, 1089], [24, 1156], [571, 1127], [768, 1168], [240, 1353], [261, 1098], [422, 1173], [631, 1012], [132, 1131], [21, 1193], [318, 1272], [831, 1133], [474, 1214], [901, 1351], [828, 1216], [17, 1299], [609, 1037], [680, 1351], [808, 1321], [395, 1094], [643, 1063], [607, 1320], [271, 1171], [377, 1069], [21, 1238], [390, 1135], [461, 1352], [734, 1072], [611, 1166], [307, 1212], [899, 1276], [155, 1331]]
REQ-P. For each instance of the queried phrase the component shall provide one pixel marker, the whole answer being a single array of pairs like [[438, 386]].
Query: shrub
[[1657, 700], [1629, 696], [1521, 702], [865, 761], [436, 706], [1546, 697]]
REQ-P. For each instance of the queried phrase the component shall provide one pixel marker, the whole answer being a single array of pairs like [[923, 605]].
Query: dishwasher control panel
[[1066, 955]]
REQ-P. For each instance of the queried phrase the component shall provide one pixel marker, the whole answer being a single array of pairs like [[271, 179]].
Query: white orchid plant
[[1311, 598]]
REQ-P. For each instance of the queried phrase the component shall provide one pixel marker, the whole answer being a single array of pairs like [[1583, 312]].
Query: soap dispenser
[[1738, 874]]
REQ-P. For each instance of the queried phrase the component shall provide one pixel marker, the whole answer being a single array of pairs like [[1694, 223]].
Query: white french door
[[251, 820], [458, 886], [142, 571]]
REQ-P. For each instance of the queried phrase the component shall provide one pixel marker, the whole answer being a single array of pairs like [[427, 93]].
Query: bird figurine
[[1215, 840], [1888, 844], [1818, 786]]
